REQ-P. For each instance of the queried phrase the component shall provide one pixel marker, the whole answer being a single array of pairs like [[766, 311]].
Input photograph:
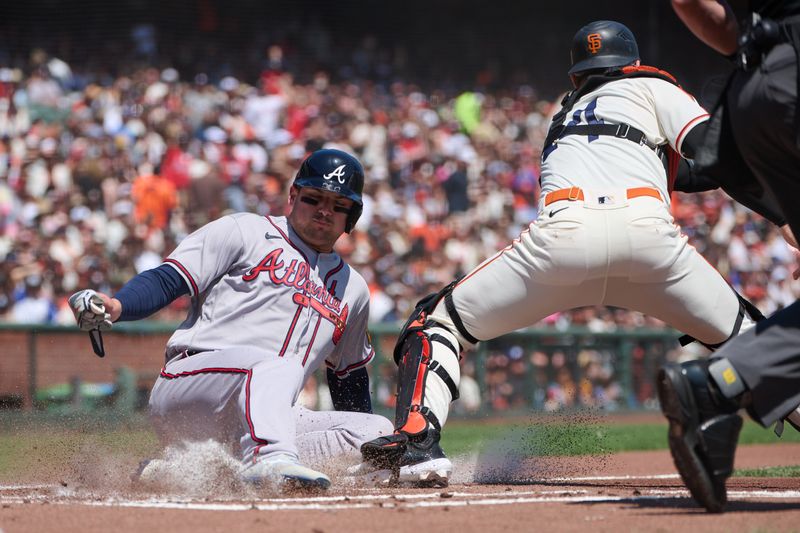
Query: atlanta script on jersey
[[242, 264]]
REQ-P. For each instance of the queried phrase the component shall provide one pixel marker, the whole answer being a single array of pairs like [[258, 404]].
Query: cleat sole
[[433, 473], [684, 441]]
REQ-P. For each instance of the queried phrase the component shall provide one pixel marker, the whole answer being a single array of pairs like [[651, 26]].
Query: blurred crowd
[[100, 178]]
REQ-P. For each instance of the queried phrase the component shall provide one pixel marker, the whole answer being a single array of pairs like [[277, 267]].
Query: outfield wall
[[540, 369]]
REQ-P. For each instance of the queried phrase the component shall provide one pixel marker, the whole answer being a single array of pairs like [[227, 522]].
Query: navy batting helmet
[[603, 44], [335, 171]]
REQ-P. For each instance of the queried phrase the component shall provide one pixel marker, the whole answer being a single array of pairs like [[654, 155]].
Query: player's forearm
[[350, 393], [148, 292], [689, 181], [712, 21]]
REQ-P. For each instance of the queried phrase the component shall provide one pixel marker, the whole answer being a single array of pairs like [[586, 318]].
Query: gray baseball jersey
[[267, 311], [254, 282]]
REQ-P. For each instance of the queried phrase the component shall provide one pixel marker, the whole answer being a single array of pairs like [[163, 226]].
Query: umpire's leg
[[767, 357]]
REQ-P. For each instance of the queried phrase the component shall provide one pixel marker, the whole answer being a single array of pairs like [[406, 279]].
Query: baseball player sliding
[[604, 236], [271, 303]]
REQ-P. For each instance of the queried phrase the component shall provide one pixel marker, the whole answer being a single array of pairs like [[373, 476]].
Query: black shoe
[[385, 452], [415, 459], [703, 431], [424, 462]]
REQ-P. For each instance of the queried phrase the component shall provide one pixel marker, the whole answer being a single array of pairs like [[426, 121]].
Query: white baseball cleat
[[365, 475], [284, 472], [431, 473], [413, 459]]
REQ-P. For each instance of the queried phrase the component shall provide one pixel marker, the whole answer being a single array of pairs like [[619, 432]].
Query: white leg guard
[[437, 395]]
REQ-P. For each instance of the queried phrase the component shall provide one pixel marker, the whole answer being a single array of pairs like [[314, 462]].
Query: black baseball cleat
[[703, 430], [412, 459], [385, 452]]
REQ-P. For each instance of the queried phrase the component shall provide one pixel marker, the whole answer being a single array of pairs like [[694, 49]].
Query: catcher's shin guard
[[427, 356], [703, 430], [428, 378]]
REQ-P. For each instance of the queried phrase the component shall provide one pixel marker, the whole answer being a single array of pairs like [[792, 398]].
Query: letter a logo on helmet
[[318, 171], [338, 174]]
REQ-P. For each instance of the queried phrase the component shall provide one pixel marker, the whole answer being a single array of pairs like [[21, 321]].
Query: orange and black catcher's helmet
[[602, 45]]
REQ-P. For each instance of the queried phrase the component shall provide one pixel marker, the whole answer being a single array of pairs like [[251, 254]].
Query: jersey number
[[588, 114]]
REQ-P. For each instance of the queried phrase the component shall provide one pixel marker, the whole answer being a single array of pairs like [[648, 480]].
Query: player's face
[[318, 216]]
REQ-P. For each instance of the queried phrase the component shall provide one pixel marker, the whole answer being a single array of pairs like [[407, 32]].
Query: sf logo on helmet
[[595, 42], [338, 174]]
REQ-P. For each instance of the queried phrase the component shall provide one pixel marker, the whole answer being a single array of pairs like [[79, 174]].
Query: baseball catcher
[[604, 236]]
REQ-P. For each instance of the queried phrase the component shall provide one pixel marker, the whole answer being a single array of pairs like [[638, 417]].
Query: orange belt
[[575, 193]]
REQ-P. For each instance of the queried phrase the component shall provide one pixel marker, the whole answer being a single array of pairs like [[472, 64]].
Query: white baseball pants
[[246, 397], [604, 249]]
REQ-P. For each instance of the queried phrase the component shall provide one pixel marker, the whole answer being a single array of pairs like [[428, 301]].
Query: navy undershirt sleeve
[[150, 291], [350, 393]]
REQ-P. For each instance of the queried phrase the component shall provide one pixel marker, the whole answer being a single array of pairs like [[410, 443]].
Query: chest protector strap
[[592, 83], [622, 131]]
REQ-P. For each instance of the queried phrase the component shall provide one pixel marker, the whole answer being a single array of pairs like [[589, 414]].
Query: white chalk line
[[532, 481], [199, 506], [612, 478], [204, 506], [28, 487], [433, 499]]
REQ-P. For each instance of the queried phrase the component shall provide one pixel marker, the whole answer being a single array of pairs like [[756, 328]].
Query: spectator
[[34, 307], [154, 198], [443, 199]]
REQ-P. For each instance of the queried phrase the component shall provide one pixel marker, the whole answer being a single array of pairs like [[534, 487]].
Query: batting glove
[[89, 310]]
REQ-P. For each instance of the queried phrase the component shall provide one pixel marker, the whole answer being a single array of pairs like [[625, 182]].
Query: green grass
[[23, 452], [581, 437], [773, 471], [30, 445], [545, 439]]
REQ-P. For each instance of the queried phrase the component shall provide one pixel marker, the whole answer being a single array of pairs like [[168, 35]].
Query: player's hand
[[89, 308]]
